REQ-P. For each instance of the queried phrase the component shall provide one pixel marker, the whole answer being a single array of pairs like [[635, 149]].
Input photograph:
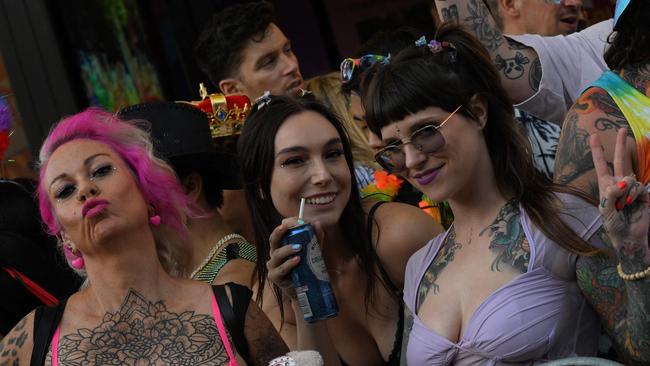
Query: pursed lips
[[93, 207]]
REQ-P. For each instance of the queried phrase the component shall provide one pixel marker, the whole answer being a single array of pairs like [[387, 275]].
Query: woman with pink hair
[[119, 215]]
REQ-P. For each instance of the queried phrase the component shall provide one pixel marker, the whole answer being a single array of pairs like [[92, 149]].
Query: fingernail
[[621, 185], [296, 246], [628, 200], [296, 258], [619, 206]]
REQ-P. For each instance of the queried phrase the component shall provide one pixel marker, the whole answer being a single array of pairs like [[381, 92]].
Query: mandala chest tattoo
[[143, 332]]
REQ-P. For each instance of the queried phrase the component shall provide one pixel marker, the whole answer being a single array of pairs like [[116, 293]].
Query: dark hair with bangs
[[256, 149], [417, 78]]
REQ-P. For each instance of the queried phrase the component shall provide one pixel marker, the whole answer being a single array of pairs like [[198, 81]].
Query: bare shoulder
[[239, 271], [16, 347], [398, 231]]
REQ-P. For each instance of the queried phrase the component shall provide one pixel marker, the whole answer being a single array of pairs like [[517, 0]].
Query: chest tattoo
[[144, 332], [508, 241]]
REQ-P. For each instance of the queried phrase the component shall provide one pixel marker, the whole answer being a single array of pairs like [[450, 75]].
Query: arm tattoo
[[450, 246], [490, 36], [509, 242], [264, 342], [573, 157], [450, 14], [143, 332], [15, 341], [535, 74], [621, 305], [512, 67], [408, 326]]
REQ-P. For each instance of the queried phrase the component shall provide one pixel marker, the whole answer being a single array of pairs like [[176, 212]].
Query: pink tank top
[[217, 319]]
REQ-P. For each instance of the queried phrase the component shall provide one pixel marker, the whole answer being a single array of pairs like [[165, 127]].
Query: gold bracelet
[[632, 276]]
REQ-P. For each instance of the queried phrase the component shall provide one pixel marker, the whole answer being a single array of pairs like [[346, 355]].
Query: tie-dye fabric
[[636, 109]]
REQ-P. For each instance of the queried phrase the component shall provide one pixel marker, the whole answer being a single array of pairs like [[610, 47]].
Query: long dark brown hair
[[256, 149], [417, 78]]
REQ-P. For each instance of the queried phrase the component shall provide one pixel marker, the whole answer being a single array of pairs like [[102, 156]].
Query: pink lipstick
[[93, 208]]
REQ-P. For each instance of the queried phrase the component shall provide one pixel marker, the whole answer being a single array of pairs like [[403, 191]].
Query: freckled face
[[93, 193], [309, 162]]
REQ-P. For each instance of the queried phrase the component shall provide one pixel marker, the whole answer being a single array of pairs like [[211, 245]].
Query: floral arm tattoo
[[509, 243], [623, 306], [12, 345], [519, 65], [143, 332]]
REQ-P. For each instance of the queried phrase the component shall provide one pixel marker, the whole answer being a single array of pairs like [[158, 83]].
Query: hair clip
[[263, 101], [421, 41]]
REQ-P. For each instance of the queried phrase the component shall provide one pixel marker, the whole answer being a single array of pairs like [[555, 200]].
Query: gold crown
[[226, 113]]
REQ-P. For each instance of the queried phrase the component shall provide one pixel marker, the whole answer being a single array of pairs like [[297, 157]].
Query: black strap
[[46, 320], [234, 315], [384, 274]]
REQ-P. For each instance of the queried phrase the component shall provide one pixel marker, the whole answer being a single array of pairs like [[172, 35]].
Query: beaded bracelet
[[632, 276]]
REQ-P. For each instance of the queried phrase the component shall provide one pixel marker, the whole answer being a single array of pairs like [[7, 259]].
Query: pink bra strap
[[222, 332], [55, 347]]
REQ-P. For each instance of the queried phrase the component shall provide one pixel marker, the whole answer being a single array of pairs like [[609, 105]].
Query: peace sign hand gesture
[[623, 200]]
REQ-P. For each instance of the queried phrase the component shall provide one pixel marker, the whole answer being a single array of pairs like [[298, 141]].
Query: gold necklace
[[215, 249]]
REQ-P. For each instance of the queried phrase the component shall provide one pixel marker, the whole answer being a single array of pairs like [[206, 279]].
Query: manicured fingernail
[[296, 247], [619, 206], [621, 185], [628, 200]]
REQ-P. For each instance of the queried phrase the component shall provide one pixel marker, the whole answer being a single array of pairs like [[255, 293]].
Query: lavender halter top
[[537, 316]]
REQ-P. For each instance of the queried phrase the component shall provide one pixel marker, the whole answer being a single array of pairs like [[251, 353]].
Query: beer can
[[310, 278]]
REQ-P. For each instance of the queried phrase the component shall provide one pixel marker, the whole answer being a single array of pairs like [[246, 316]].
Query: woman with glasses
[[500, 285], [292, 149]]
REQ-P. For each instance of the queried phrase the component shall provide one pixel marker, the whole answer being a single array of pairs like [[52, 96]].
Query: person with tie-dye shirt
[[618, 285]]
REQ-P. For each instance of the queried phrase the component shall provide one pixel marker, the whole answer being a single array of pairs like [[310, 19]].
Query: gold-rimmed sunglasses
[[426, 139]]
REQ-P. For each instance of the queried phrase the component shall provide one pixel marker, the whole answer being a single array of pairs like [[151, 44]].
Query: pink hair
[[154, 178]]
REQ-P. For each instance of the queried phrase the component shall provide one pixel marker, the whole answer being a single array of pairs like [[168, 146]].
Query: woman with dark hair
[[618, 100], [500, 285], [292, 149], [120, 215]]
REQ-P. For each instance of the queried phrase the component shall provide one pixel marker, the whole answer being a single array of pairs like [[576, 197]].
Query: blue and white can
[[310, 278]]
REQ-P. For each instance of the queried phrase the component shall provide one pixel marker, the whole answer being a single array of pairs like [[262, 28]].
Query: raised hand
[[623, 200]]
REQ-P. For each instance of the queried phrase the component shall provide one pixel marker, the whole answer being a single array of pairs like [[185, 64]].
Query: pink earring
[[75, 258], [154, 220], [78, 262]]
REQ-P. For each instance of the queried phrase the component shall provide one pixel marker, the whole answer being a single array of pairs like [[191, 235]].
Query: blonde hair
[[327, 89]]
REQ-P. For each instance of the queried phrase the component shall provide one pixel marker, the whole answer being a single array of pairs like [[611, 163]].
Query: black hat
[[180, 132]]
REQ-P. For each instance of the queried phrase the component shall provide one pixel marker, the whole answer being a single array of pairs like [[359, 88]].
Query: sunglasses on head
[[362, 64], [427, 139]]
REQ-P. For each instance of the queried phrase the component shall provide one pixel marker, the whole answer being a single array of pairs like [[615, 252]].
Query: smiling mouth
[[321, 200]]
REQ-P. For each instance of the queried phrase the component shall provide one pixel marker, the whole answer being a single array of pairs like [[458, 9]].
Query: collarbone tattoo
[[143, 332]]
